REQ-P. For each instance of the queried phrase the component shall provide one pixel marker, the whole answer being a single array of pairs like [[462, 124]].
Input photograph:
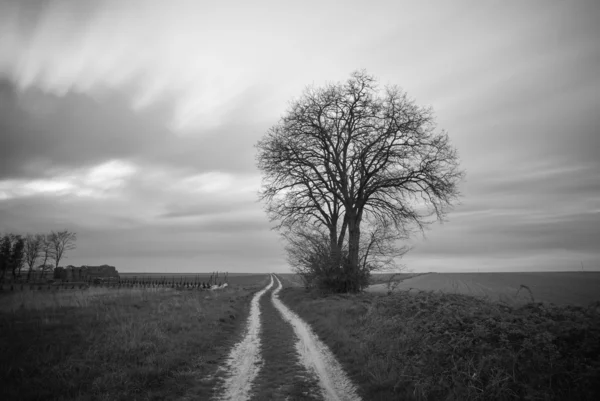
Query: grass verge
[[432, 346], [117, 344]]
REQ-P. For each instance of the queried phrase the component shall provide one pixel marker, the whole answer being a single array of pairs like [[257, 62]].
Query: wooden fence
[[183, 283]]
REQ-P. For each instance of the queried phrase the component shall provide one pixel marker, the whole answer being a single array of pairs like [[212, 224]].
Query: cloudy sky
[[133, 122]]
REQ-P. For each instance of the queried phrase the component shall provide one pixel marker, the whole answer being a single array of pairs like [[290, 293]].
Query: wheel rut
[[316, 357], [244, 361], [280, 358], [282, 376]]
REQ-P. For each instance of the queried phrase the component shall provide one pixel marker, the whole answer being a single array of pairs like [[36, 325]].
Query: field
[[437, 342], [232, 278], [379, 278], [384, 278], [561, 288], [435, 345], [118, 343]]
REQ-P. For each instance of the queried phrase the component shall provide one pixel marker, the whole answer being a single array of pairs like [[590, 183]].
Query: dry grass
[[432, 346], [113, 344]]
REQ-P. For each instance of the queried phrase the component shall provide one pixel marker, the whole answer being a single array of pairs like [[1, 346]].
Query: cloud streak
[[134, 123]]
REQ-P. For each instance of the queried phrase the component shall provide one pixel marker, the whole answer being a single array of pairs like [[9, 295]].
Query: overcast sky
[[133, 123]]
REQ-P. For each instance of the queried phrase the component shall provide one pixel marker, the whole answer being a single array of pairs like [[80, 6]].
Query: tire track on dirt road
[[282, 376], [292, 364], [316, 356], [244, 360]]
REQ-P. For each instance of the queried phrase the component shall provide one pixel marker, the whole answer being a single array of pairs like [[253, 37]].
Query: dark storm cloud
[[41, 132], [178, 211], [154, 241], [195, 211]]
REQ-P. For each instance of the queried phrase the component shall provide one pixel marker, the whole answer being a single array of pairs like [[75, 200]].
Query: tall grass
[[53, 299], [106, 343]]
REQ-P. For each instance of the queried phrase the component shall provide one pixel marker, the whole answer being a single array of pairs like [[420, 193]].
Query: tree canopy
[[350, 152]]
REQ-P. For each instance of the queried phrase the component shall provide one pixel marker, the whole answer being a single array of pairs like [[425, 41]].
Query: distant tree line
[[18, 252]]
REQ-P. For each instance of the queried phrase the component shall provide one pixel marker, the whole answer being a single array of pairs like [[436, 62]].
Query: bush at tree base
[[324, 274]]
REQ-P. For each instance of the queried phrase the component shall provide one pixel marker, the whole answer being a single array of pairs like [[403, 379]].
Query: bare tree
[[60, 242], [17, 256], [350, 152], [5, 254], [379, 248], [305, 206], [46, 252], [33, 248]]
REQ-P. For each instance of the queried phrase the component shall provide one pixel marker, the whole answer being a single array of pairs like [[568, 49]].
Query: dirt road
[[244, 361], [281, 358]]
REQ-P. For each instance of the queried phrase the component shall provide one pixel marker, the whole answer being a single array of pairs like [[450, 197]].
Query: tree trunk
[[336, 251], [353, 253], [342, 235]]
